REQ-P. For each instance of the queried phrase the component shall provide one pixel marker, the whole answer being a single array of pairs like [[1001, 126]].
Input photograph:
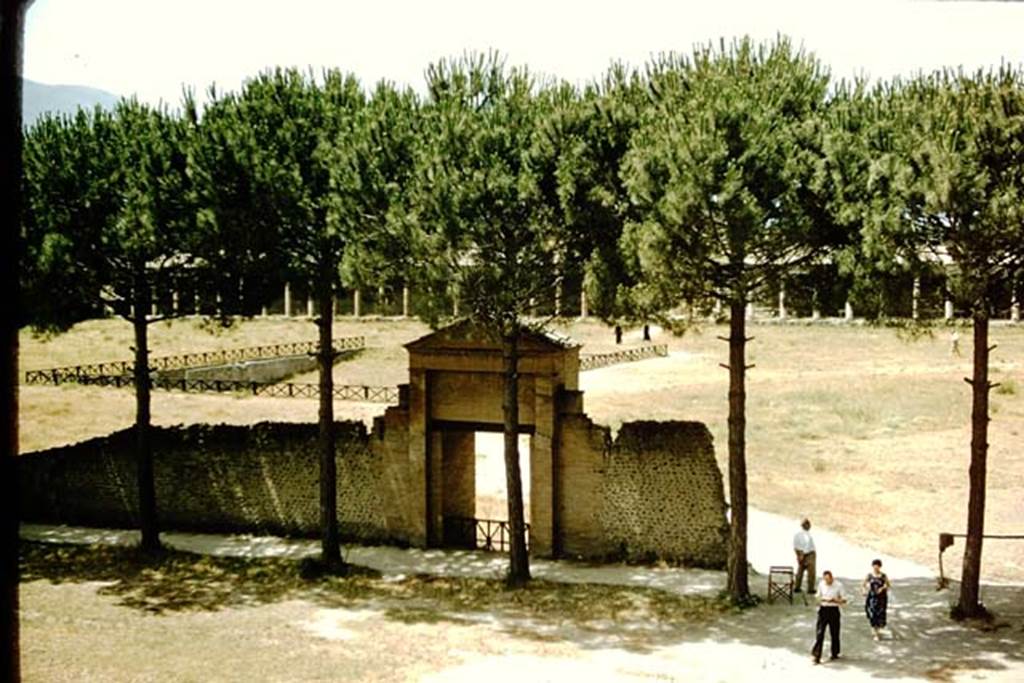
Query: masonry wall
[[655, 492], [259, 479]]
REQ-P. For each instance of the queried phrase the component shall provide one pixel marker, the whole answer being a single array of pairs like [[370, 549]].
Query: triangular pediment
[[466, 335]]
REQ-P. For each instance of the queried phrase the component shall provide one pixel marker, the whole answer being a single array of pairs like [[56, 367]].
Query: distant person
[[803, 546], [954, 343], [876, 601], [830, 597]]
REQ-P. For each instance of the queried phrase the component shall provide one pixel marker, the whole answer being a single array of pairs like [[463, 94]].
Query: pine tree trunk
[[330, 546], [12, 23], [148, 521], [739, 589], [970, 603], [519, 560]]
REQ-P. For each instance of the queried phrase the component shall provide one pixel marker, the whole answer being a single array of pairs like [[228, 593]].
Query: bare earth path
[[768, 643]]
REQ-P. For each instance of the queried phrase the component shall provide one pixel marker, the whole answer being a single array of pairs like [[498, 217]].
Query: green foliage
[[371, 168], [726, 169], [108, 217], [949, 187], [583, 139], [487, 227]]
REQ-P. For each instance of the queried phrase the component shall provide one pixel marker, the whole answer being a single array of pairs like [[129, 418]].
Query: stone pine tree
[[12, 24], [288, 127], [371, 172], [241, 192], [951, 188], [721, 168], [107, 217], [583, 139], [486, 223]]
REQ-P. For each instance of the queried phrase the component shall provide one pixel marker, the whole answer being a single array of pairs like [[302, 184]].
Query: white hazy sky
[[152, 48]]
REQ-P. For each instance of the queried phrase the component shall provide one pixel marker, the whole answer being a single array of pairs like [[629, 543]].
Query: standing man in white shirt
[[830, 597], [803, 546]]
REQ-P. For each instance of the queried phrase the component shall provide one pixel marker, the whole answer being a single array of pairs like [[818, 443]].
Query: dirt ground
[[242, 613]]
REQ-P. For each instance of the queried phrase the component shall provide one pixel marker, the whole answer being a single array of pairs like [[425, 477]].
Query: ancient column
[[1014, 302], [584, 312], [287, 300], [309, 304], [915, 303], [405, 301], [750, 310], [848, 311], [948, 312], [357, 303], [782, 301]]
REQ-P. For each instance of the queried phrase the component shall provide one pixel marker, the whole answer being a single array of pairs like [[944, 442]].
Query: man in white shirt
[[803, 546], [830, 597]]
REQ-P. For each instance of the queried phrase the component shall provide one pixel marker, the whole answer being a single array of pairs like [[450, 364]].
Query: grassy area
[[860, 428]]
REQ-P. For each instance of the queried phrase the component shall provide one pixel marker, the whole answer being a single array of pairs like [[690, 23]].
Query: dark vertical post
[[737, 563], [970, 590], [519, 570], [329, 542], [12, 26], [148, 522]]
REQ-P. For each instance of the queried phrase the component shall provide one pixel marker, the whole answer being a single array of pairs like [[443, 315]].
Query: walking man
[[803, 546], [830, 597]]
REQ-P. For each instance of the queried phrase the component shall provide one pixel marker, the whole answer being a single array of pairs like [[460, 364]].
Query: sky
[[153, 48]]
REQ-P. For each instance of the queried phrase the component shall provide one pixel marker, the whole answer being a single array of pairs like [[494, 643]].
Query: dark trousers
[[828, 615], [805, 563]]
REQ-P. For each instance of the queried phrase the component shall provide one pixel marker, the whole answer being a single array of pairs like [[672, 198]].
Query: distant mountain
[[62, 99]]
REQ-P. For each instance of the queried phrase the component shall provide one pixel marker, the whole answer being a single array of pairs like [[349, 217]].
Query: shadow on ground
[[922, 640], [594, 615]]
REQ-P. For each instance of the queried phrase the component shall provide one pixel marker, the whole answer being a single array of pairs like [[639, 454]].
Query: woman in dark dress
[[876, 590]]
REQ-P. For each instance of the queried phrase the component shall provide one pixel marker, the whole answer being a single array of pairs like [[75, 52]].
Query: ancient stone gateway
[[654, 492]]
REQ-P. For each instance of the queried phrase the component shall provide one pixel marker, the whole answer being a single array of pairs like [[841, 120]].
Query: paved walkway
[[770, 542]]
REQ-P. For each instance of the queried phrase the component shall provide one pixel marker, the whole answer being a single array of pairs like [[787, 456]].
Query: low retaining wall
[[262, 478], [653, 493], [260, 371]]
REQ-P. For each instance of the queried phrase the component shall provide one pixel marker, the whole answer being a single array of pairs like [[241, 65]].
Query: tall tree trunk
[[330, 546], [148, 521], [970, 604], [12, 23], [739, 589], [519, 567]]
